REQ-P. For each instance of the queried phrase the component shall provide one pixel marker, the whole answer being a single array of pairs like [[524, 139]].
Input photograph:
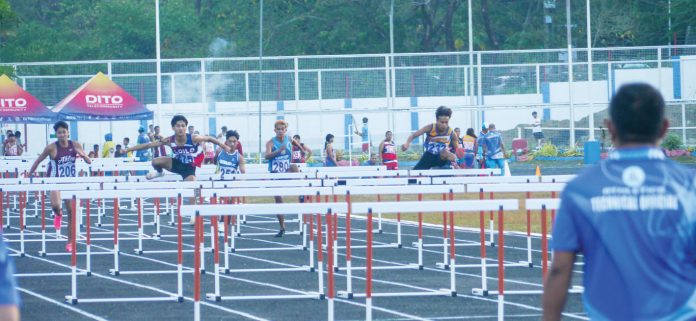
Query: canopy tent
[[18, 106], [100, 99]]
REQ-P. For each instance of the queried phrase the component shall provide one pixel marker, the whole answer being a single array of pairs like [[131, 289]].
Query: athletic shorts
[[392, 166], [539, 135], [182, 169], [429, 161]]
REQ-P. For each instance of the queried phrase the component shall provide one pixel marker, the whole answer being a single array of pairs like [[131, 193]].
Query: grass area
[[514, 220]]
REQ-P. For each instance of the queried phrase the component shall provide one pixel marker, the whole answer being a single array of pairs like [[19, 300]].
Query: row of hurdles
[[310, 225]]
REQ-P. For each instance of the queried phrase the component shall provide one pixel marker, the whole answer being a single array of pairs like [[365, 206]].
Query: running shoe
[[154, 174], [280, 233], [57, 221], [68, 247]]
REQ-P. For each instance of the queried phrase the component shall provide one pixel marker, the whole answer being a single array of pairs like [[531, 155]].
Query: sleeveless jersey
[[281, 162], [436, 142], [389, 152], [468, 143], [189, 153], [228, 163], [298, 154], [63, 164], [12, 150]]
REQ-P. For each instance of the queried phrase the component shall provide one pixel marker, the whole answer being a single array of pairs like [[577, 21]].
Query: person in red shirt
[[387, 151]]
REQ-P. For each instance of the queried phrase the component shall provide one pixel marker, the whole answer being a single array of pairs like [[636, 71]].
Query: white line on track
[[62, 305]]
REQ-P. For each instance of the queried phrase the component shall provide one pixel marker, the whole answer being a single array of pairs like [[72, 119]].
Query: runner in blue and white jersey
[[231, 162], [633, 217], [278, 152]]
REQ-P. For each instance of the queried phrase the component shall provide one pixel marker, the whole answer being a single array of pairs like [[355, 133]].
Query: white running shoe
[[154, 174]]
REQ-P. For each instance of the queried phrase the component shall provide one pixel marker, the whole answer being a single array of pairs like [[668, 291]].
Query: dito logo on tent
[[104, 101], [13, 102]]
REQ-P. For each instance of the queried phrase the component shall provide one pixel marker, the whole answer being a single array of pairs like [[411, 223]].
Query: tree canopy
[[40, 30]]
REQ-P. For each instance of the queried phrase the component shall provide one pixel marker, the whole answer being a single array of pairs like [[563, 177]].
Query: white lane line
[[61, 304]]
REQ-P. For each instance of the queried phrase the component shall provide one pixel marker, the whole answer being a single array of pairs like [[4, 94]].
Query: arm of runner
[[379, 151], [556, 285], [46, 152], [148, 145], [242, 165], [81, 152], [308, 151], [204, 138], [413, 136], [269, 147]]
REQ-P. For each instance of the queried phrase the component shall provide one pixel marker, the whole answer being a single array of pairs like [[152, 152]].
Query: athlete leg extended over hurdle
[[439, 139]]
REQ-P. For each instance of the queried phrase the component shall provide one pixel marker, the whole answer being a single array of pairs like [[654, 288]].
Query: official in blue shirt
[[633, 217]]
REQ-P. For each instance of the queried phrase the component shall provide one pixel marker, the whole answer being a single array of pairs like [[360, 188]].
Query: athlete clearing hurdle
[[185, 147], [278, 152], [62, 155], [440, 137]]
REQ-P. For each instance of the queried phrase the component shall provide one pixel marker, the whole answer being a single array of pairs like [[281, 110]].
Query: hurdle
[[541, 205], [512, 188], [23, 190], [429, 206], [115, 194], [259, 209], [266, 192], [398, 190]]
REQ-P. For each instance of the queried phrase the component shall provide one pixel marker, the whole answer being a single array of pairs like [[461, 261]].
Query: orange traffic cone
[[538, 171]]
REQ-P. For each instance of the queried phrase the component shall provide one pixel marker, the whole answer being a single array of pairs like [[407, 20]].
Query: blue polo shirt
[[633, 217]]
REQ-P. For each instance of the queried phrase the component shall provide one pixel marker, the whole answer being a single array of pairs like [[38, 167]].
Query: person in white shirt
[[536, 130]]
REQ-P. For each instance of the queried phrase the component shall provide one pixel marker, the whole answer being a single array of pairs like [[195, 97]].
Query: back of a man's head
[[637, 112]]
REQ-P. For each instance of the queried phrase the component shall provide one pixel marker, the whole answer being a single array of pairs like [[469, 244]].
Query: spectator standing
[[109, 148], [143, 154], [536, 130]]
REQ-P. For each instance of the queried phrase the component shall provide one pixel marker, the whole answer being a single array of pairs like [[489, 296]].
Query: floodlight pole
[[260, 71], [589, 71], [472, 98], [158, 59], [570, 76], [392, 72]]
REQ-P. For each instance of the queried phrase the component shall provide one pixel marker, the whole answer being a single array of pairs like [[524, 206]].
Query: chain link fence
[[397, 92]]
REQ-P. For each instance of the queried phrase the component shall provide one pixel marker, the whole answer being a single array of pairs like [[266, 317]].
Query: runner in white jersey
[[229, 163], [278, 152], [62, 154]]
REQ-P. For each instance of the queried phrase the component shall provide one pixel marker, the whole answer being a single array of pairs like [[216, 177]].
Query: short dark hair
[[60, 124], [364, 119], [96, 146], [10, 135], [18, 133], [534, 113], [443, 111], [296, 136], [156, 127], [126, 138], [231, 133], [177, 118], [637, 111], [118, 146]]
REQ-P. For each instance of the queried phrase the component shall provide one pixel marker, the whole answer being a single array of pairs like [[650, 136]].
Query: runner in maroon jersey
[[300, 152], [62, 155], [387, 151]]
